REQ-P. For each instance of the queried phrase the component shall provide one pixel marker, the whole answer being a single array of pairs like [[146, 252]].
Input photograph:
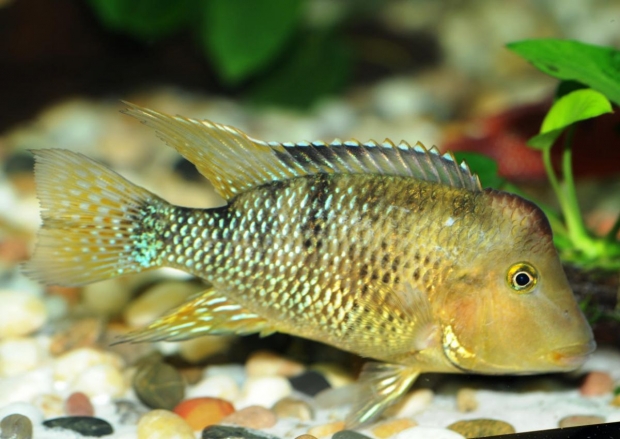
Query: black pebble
[[223, 432], [85, 425], [309, 382], [348, 434]]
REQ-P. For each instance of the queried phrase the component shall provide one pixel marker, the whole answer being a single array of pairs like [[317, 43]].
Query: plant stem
[[574, 222], [611, 235], [553, 179]]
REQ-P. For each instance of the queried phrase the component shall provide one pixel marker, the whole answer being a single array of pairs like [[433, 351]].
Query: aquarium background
[[432, 71]]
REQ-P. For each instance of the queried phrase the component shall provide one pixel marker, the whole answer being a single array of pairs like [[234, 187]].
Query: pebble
[[20, 314], [80, 334], [293, 408], [157, 300], [328, 429], [202, 412], [163, 424], [78, 404], [73, 363], [265, 363], [216, 386], [474, 428], [106, 298], [129, 412], [84, 425], [22, 408], [389, 428], [205, 346], [158, 385], [254, 416], [16, 426], [466, 400], [597, 383], [411, 404], [309, 382], [191, 375], [335, 374], [578, 420], [427, 433], [19, 355], [50, 404], [309, 436], [265, 391], [226, 432], [349, 434], [100, 381]]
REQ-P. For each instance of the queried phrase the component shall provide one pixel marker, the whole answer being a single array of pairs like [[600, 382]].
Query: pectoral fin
[[401, 317], [382, 384], [209, 313]]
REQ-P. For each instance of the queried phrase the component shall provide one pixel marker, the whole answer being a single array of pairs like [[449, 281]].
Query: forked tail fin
[[96, 224]]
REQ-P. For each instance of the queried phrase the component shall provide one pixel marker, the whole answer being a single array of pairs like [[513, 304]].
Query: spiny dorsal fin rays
[[209, 313], [234, 162]]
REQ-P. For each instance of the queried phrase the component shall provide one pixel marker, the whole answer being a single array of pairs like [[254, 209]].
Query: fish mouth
[[571, 357]]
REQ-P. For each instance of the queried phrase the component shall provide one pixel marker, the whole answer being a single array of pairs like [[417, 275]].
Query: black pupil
[[522, 279]]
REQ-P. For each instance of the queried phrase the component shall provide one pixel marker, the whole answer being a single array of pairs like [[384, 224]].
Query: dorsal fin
[[234, 162]]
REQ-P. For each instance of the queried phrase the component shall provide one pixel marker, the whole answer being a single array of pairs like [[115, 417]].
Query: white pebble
[[411, 404], [27, 387], [22, 408], [158, 300], [20, 314], [264, 391], [19, 355], [427, 433], [216, 386], [401, 97], [71, 364], [102, 381]]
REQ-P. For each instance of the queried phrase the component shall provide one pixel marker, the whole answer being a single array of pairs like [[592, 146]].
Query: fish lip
[[573, 356]]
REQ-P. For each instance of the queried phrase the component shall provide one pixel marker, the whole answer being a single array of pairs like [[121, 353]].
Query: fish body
[[389, 251]]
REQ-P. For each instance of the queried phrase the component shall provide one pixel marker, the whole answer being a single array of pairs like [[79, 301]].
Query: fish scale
[[389, 251]]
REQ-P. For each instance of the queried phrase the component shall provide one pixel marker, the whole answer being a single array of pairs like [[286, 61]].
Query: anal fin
[[382, 384], [209, 313]]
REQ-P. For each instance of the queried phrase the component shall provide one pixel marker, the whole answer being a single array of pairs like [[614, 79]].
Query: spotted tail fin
[[96, 224]]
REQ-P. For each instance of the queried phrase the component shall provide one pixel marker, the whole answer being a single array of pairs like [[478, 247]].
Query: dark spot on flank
[[385, 261], [364, 270], [387, 277], [416, 274]]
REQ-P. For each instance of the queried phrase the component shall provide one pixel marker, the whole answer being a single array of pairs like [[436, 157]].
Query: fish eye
[[522, 277]]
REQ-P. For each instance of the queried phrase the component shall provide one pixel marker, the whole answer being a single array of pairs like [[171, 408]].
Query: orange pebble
[[202, 412]]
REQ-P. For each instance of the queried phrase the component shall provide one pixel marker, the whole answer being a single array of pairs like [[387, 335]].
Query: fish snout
[[571, 357]]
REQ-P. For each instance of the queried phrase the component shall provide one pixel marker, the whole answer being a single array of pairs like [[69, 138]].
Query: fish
[[390, 251]]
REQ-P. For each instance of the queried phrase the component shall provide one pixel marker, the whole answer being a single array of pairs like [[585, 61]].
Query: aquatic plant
[[242, 42], [590, 82]]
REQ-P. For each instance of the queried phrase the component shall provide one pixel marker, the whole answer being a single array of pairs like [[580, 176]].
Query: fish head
[[512, 309]]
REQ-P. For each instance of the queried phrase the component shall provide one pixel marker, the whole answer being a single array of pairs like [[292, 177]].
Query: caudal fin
[[96, 224]]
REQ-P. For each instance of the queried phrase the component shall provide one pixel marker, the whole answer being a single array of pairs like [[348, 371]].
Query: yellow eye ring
[[522, 277]]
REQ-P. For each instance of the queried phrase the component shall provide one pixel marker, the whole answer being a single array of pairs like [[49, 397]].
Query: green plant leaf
[[596, 66], [242, 36], [485, 167], [144, 19], [319, 65], [573, 107]]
